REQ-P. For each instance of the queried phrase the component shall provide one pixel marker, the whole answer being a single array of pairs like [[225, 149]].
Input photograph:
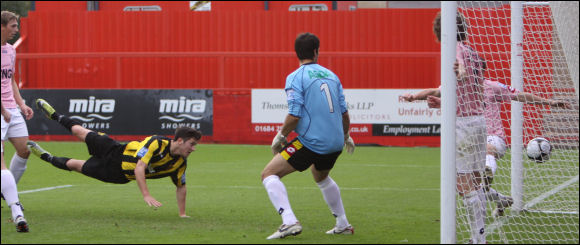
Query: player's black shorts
[[301, 157], [105, 161]]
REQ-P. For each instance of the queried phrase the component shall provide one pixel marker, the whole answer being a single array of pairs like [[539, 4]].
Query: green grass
[[391, 195]]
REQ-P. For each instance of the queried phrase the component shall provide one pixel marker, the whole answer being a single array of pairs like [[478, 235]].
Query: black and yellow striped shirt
[[154, 151]]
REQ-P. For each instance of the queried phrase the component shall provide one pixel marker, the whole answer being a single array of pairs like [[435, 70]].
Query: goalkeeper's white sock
[[331, 194], [279, 197], [490, 161], [475, 205], [17, 167], [10, 193]]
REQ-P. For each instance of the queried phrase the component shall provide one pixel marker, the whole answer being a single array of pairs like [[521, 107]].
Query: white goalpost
[[448, 103], [517, 65], [531, 47]]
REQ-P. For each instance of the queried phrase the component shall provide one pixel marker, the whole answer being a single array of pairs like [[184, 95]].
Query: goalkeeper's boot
[[504, 203], [21, 224], [46, 109], [38, 151], [488, 178], [286, 230], [349, 230]]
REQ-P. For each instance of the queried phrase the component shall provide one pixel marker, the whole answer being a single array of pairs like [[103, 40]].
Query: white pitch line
[[316, 188], [390, 165], [45, 189], [500, 221], [551, 192]]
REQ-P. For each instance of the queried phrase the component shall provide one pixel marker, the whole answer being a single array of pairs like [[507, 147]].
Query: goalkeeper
[[112, 162], [318, 113]]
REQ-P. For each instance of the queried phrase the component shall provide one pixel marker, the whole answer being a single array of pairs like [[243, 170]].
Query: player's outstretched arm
[[421, 95], [562, 104], [529, 98], [181, 193], [433, 102], [140, 178]]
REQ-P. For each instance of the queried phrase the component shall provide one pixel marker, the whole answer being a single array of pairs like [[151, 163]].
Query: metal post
[[517, 61], [448, 105]]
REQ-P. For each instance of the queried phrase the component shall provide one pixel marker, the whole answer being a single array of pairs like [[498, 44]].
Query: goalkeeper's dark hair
[[187, 133], [461, 27], [305, 45]]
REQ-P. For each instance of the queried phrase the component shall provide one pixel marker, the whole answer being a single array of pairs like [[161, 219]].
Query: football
[[539, 149]]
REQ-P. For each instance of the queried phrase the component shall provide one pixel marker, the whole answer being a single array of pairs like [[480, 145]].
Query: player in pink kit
[[13, 125], [469, 129], [495, 93]]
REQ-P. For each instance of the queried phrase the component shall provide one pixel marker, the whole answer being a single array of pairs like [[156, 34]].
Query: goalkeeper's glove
[[349, 144], [278, 143]]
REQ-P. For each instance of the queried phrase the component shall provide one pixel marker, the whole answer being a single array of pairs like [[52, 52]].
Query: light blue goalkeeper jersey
[[315, 95]]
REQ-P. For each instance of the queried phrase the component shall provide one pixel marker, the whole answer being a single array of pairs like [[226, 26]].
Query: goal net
[[544, 63]]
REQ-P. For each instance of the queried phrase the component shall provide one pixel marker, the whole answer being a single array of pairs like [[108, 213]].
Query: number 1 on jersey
[[324, 87]]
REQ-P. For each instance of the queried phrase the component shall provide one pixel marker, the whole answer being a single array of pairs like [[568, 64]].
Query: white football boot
[[349, 230], [286, 230]]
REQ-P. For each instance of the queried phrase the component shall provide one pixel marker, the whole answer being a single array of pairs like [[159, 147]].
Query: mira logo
[[181, 105], [94, 108], [181, 111], [91, 105]]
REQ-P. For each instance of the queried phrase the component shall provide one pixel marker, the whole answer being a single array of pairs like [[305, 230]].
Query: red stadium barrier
[[124, 70], [227, 51], [355, 35]]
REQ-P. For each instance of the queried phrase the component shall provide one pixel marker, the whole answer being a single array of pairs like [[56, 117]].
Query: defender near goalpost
[[529, 46]]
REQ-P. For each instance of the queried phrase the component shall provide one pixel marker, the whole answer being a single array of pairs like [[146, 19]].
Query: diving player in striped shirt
[[112, 162], [318, 114]]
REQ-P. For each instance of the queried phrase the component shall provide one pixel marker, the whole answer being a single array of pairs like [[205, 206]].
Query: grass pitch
[[391, 195]]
